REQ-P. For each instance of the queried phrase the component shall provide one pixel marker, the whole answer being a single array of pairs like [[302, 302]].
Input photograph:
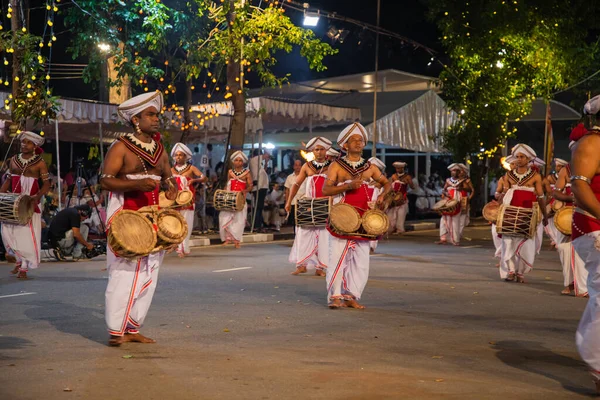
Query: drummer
[[232, 223], [523, 188], [502, 187], [332, 154], [187, 176], [374, 189], [401, 181], [454, 190], [310, 245], [549, 184], [347, 180], [467, 193], [26, 169], [136, 167]]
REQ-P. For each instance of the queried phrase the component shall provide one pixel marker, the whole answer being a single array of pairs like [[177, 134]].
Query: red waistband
[[583, 224]]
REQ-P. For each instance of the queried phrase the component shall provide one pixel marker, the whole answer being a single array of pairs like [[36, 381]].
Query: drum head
[[375, 222], [184, 197], [240, 201], [557, 205], [563, 220], [132, 232], [451, 203], [163, 201], [25, 208], [344, 218], [439, 205], [490, 211], [172, 227]]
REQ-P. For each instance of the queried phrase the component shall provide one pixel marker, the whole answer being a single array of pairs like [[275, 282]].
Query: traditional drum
[[518, 221], [163, 202], [312, 212], [16, 208], [225, 200], [344, 219], [184, 198], [557, 205], [447, 207], [172, 228], [131, 234], [563, 220], [375, 222], [464, 205], [490, 211], [398, 199]]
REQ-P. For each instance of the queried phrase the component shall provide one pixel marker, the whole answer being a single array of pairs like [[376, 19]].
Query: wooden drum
[[447, 207], [518, 221], [225, 200], [490, 211], [16, 208], [172, 228], [131, 235], [313, 212], [185, 198], [344, 219], [163, 202], [563, 220], [375, 222]]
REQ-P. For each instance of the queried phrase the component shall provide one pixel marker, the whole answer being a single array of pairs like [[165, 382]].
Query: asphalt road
[[440, 324]]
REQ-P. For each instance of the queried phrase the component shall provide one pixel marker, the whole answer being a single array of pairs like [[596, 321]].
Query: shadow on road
[[535, 358], [71, 319]]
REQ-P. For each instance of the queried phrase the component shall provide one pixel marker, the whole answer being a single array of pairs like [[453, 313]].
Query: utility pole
[[374, 153]]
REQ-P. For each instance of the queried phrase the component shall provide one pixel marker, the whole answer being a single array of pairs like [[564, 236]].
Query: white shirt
[[290, 181], [263, 179]]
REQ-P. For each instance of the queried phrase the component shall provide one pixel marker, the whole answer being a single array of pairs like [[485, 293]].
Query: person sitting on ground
[[67, 235]]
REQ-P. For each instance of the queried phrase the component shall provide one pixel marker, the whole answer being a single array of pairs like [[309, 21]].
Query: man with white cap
[[310, 245], [585, 181], [136, 167], [332, 154], [452, 219], [501, 189], [347, 180], [398, 210], [232, 223], [549, 185], [467, 193], [26, 169], [374, 189], [187, 175], [523, 190]]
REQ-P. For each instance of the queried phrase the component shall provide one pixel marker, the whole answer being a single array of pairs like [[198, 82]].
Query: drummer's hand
[[145, 185], [355, 184], [171, 248], [287, 208], [171, 192], [37, 198], [379, 201]]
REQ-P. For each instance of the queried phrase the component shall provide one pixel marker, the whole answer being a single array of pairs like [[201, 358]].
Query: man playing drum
[[401, 181], [187, 175], [585, 181], [374, 189], [467, 193], [26, 170], [523, 188], [310, 246], [347, 179], [549, 184], [135, 168], [451, 222], [232, 223], [501, 188]]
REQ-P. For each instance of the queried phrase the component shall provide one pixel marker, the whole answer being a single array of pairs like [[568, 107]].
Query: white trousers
[[131, 286], [451, 228], [348, 270], [497, 242], [24, 241], [397, 217], [574, 271], [184, 247], [306, 249], [588, 332], [551, 231], [232, 224], [518, 255]]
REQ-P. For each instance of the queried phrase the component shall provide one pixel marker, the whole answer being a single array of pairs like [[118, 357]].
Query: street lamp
[[311, 18], [104, 47]]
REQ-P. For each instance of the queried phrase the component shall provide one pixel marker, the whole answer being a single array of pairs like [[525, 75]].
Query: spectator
[[260, 182], [493, 185], [275, 205], [67, 234]]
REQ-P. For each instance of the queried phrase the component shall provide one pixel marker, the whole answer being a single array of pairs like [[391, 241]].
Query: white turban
[[137, 104], [453, 166], [182, 148], [399, 164], [510, 159], [560, 161], [333, 152], [572, 144], [377, 162], [592, 106], [463, 167], [239, 154], [318, 141], [524, 149], [32, 137], [353, 129], [538, 162]]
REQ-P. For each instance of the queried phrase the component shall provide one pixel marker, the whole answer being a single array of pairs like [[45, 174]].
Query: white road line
[[18, 294], [232, 269], [470, 247]]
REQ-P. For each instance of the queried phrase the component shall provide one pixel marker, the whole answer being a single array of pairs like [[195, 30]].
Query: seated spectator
[[67, 235], [422, 204], [273, 206]]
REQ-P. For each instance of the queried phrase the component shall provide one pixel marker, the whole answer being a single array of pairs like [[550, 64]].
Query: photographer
[[67, 234]]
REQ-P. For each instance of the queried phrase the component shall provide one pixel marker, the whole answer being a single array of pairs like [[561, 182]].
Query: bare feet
[[237, 245], [225, 243], [336, 303], [15, 270], [352, 303], [520, 279], [441, 242], [299, 270], [22, 275], [116, 341], [510, 277], [319, 272], [180, 255], [568, 290]]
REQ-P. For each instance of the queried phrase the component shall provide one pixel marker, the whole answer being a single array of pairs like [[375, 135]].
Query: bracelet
[[166, 179], [541, 197], [582, 178], [106, 176]]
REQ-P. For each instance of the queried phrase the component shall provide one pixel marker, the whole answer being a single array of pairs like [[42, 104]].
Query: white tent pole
[[71, 159], [58, 166], [428, 164], [310, 121], [417, 165], [101, 142]]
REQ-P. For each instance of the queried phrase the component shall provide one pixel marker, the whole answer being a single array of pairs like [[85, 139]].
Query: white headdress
[[399, 164], [182, 148], [592, 106], [538, 162], [316, 141], [239, 154], [33, 137], [453, 166], [333, 152], [137, 104], [377, 162], [463, 167], [560, 161], [524, 149], [510, 159], [572, 143], [353, 129]]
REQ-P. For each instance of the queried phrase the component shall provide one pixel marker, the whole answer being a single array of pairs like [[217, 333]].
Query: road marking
[[470, 247], [232, 269], [18, 294]]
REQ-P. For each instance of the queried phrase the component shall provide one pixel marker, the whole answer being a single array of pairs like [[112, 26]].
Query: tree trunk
[[238, 124]]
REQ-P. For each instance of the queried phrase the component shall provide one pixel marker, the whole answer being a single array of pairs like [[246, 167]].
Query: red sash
[[318, 182], [583, 224], [16, 188], [523, 198], [237, 185], [138, 199]]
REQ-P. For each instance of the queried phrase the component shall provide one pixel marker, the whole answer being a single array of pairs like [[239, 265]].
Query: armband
[[582, 178], [541, 197], [45, 177], [103, 176]]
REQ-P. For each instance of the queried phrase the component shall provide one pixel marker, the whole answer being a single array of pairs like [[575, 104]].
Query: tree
[[502, 56]]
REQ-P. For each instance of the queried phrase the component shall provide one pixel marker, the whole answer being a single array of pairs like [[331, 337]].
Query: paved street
[[440, 324]]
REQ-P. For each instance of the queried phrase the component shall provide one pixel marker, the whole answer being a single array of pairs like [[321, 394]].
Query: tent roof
[[559, 112]]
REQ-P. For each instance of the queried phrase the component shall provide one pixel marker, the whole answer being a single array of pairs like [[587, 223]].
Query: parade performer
[[401, 181], [347, 180], [310, 246], [332, 154], [502, 186], [232, 223], [135, 168], [374, 189], [187, 175], [549, 185], [524, 187], [467, 193], [26, 169], [451, 224]]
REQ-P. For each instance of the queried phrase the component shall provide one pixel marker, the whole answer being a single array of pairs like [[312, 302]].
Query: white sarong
[[574, 271], [232, 223], [188, 215], [397, 217], [497, 242]]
